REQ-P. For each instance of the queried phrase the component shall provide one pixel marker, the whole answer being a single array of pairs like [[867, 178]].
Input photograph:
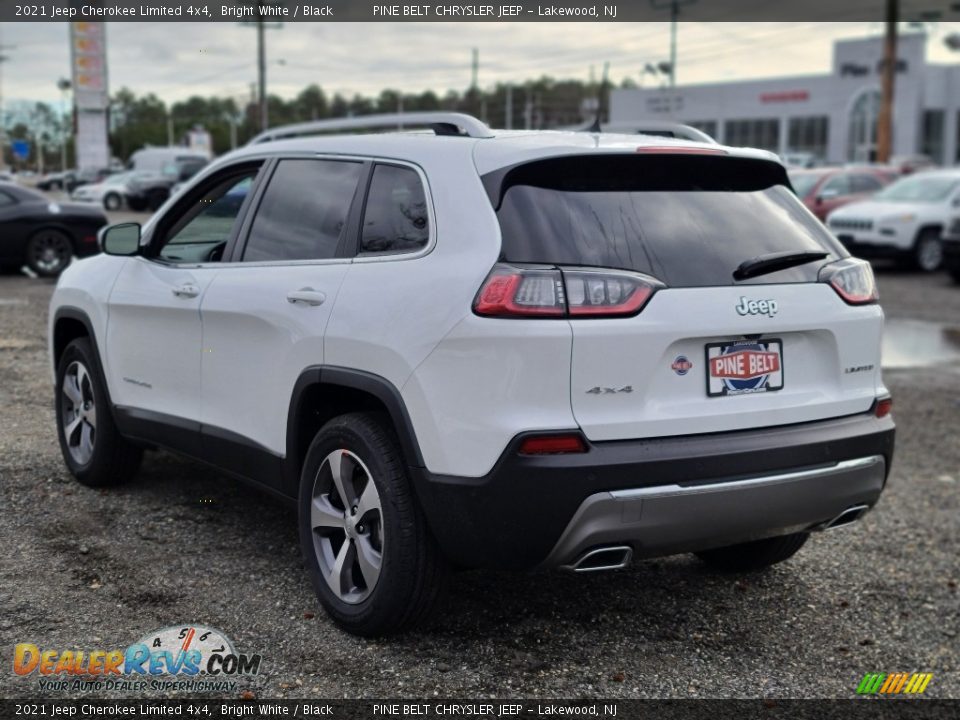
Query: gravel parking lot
[[83, 568]]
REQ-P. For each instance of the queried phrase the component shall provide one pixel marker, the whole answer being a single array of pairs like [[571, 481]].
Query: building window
[[764, 134], [863, 127], [706, 126], [809, 135], [932, 141]]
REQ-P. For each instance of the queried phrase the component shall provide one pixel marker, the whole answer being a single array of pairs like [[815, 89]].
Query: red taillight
[[90, 239], [882, 407], [853, 281], [511, 291], [553, 445]]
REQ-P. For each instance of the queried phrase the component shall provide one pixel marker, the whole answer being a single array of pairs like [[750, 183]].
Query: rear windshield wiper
[[764, 264]]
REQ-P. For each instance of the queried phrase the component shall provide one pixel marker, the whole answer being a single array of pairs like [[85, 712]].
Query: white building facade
[[833, 117]]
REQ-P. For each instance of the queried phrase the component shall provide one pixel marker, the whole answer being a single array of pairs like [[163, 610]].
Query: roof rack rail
[[442, 123]]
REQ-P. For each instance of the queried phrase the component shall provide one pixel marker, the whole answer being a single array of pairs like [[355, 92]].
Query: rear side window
[[303, 213], [864, 183], [395, 218], [687, 220]]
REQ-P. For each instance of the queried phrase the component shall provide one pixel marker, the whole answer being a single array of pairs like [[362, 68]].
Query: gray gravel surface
[[83, 568]]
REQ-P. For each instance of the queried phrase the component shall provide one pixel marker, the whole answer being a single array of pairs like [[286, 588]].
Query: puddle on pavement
[[915, 343]]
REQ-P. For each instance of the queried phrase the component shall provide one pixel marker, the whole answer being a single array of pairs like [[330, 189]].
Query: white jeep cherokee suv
[[463, 348]]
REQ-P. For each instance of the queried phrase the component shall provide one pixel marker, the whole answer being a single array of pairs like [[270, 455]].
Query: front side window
[[836, 186], [202, 232], [303, 214], [864, 184], [395, 219]]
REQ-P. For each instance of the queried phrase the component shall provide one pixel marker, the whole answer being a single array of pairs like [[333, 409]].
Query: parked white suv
[[468, 348], [904, 221]]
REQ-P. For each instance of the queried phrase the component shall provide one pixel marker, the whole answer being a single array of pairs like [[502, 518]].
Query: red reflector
[[90, 239], [680, 150], [553, 445], [883, 407]]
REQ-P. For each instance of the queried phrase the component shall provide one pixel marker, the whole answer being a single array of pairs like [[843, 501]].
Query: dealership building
[[833, 116]]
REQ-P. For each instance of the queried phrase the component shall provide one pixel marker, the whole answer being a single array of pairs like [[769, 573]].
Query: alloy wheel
[[346, 517], [78, 413], [930, 254], [50, 251]]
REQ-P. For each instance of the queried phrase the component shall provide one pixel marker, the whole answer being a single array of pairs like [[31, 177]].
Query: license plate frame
[[751, 381]]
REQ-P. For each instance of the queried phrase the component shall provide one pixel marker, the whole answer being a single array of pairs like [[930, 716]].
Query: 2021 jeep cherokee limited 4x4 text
[[476, 349]]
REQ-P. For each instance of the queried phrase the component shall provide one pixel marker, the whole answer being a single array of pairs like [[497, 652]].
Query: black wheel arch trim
[[69, 312], [377, 386]]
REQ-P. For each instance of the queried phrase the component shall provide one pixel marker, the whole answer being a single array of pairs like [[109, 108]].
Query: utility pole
[[262, 26], [475, 69], [63, 85], [508, 112], [885, 118], [674, 7], [527, 108]]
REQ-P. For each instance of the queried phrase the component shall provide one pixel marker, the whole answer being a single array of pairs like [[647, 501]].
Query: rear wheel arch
[[322, 393], [935, 227]]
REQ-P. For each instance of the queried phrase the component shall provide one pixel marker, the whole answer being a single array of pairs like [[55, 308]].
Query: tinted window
[[6, 199], [202, 233], [688, 221], [835, 186], [395, 218], [864, 184], [304, 211]]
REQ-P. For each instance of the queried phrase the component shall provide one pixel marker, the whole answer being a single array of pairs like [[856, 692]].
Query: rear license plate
[[743, 367]]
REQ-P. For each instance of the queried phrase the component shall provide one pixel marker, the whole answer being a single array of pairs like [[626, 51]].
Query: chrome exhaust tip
[[847, 517], [613, 557]]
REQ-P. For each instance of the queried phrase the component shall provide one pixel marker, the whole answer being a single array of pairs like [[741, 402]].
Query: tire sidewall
[[393, 581], [112, 201]]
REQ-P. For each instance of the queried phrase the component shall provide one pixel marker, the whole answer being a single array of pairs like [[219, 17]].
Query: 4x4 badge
[[610, 391]]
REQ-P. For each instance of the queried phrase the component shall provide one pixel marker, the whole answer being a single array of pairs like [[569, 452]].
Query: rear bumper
[[659, 496], [871, 247]]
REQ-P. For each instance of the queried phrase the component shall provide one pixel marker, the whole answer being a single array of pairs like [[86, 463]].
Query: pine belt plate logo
[[742, 367], [894, 683], [185, 652]]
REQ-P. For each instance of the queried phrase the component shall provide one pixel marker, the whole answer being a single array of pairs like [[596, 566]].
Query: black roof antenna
[[595, 127]]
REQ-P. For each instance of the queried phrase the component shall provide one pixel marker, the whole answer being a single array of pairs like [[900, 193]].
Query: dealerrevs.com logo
[[191, 658]]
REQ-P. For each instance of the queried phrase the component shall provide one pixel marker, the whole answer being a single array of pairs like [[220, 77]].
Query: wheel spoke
[[340, 468], [340, 574], [325, 515], [369, 499], [83, 382], [71, 428], [90, 415], [86, 437], [72, 390], [369, 561]]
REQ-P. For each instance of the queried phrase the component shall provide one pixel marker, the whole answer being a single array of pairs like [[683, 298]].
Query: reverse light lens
[[853, 280], [883, 407], [607, 293], [512, 291], [553, 445]]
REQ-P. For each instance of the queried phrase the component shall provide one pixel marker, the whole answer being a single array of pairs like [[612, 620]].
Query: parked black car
[[42, 234], [149, 192], [54, 180]]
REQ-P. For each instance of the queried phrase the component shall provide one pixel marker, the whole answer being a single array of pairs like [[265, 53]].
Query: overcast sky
[[176, 60]]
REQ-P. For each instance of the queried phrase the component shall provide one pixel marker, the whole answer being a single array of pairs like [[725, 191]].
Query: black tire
[[756, 555], [112, 201], [48, 252], [112, 459], [156, 199], [412, 571], [953, 268], [137, 204], [927, 253]]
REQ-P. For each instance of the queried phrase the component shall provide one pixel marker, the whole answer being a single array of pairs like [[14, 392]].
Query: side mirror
[[122, 239]]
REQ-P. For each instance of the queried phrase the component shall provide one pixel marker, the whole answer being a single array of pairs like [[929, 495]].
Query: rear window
[[686, 220]]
